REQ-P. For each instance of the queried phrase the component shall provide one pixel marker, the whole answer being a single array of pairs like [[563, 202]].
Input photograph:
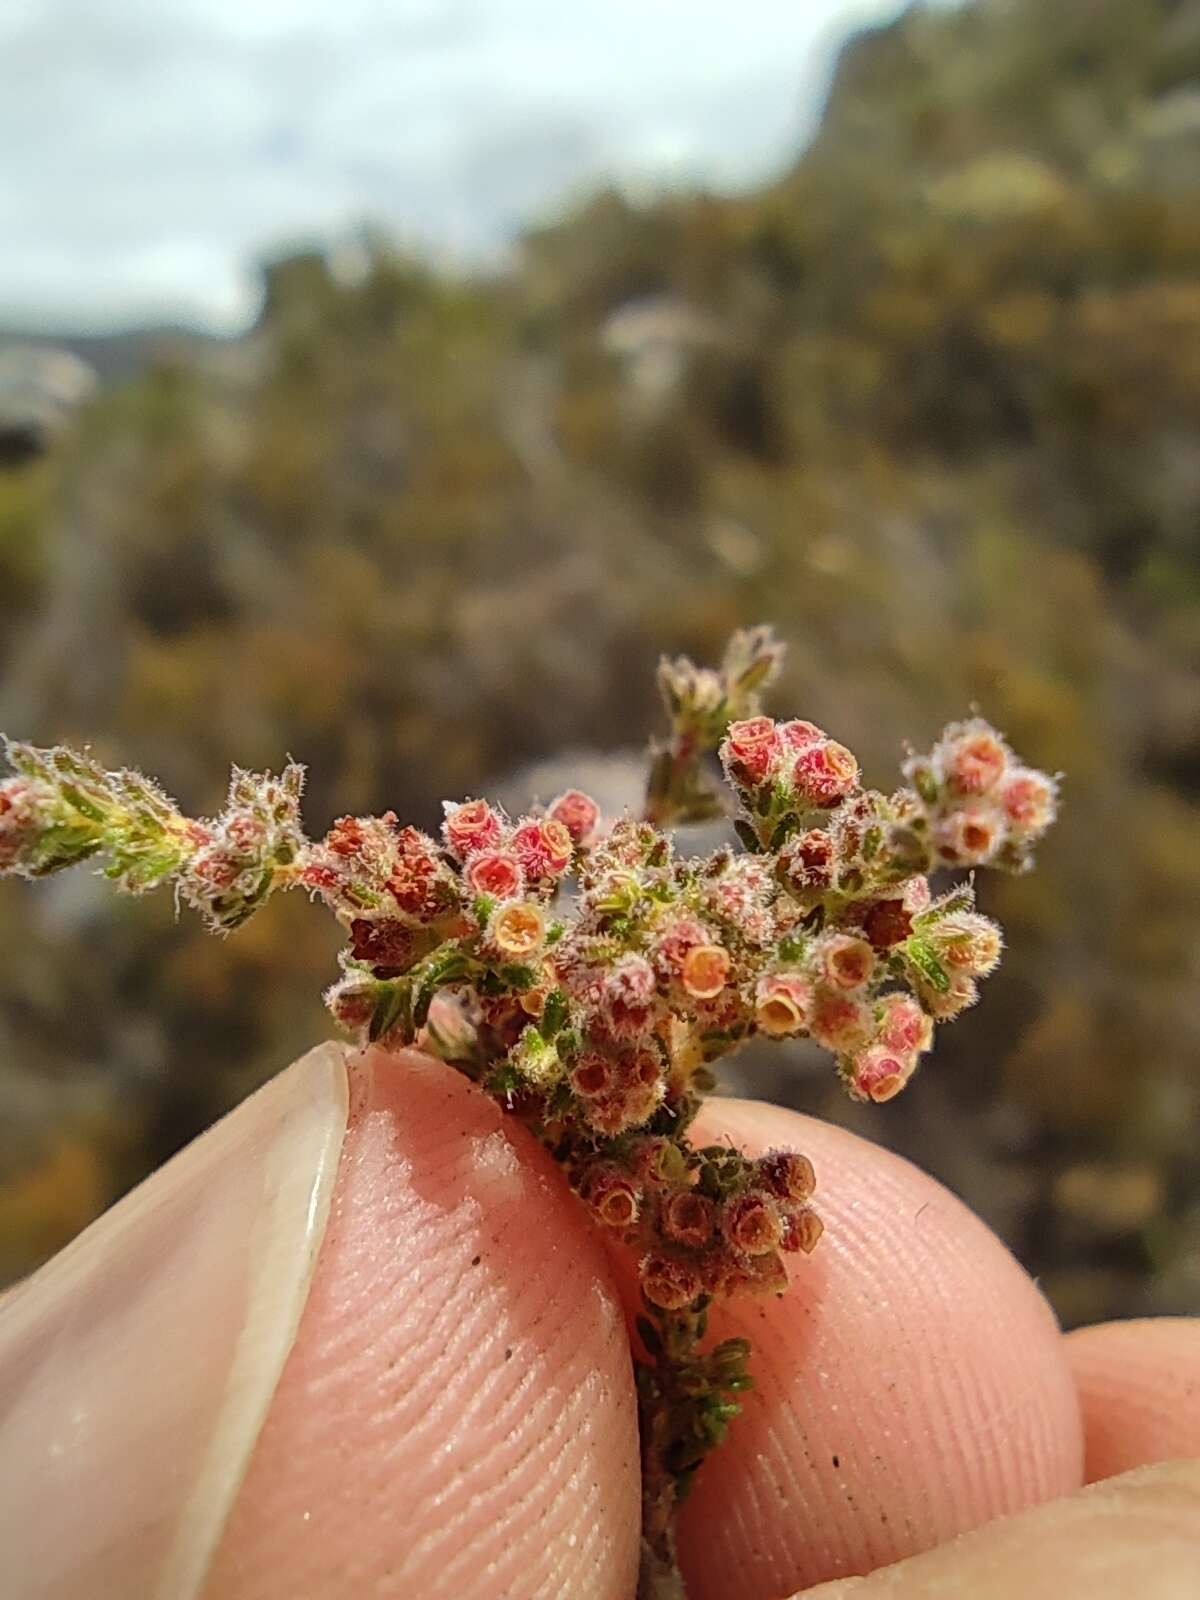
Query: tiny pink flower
[[798, 734], [841, 1022], [807, 860], [824, 773], [781, 1004], [704, 971], [497, 873], [970, 837], [903, 1026], [749, 750], [879, 1074], [470, 827], [578, 813], [971, 758], [544, 848], [846, 961], [1028, 800], [628, 996]]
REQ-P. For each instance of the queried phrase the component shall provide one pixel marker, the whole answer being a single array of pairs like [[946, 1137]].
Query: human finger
[[1138, 1534], [345, 1345], [912, 1382], [1139, 1385]]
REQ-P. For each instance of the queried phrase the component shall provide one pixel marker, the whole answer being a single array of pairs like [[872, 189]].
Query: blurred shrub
[[930, 402]]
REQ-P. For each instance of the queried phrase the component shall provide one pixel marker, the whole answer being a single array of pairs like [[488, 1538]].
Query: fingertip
[[1133, 1535], [1139, 1388], [911, 1383], [457, 1414]]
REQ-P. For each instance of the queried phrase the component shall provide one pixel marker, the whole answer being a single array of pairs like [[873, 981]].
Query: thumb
[[357, 1340], [1134, 1535]]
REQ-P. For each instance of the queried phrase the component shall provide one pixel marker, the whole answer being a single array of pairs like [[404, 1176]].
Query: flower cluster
[[589, 977], [706, 1223]]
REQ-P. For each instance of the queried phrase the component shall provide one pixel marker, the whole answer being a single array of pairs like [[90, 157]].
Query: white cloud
[[151, 150]]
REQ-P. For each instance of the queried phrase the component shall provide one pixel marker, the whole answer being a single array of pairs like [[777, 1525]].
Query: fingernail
[[137, 1367]]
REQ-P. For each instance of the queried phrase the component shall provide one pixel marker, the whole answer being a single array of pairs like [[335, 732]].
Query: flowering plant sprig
[[588, 977]]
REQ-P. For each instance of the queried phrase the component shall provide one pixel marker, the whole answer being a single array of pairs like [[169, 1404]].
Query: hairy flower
[[577, 812], [628, 996], [544, 848], [613, 1195], [787, 1174], [807, 861], [497, 873], [824, 773], [752, 1223], [879, 1073], [844, 961], [970, 758], [704, 971], [903, 1026], [749, 750], [688, 1218], [781, 1004], [517, 931], [669, 1282], [1028, 800], [471, 826]]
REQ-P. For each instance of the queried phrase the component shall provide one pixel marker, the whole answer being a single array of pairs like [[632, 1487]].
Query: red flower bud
[[749, 750], [887, 923], [1029, 801], [578, 813], [824, 773], [798, 735], [496, 873], [544, 848], [469, 827], [806, 861]]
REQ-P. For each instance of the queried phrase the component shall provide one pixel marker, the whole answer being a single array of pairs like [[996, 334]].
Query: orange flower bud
[[781, 1004], [517, 931], [705, 969]]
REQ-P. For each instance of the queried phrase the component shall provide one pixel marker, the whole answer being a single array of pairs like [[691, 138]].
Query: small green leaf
[[554, 1013], [390, 1008], [920, 955]]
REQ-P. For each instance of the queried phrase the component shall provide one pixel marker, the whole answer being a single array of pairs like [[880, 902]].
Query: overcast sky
[[150, 149]]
